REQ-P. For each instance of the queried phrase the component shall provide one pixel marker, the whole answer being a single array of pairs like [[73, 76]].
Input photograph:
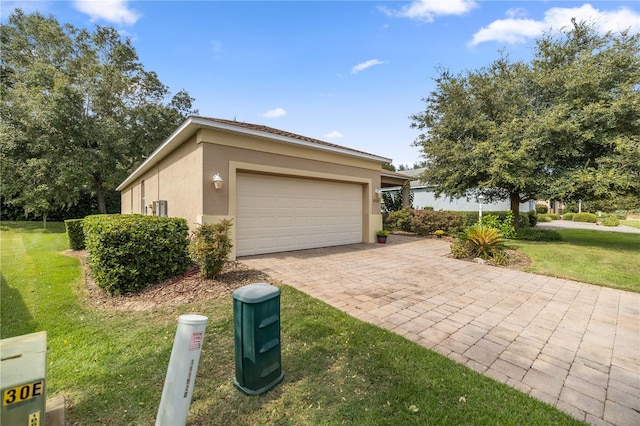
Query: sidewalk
[[568, 224]]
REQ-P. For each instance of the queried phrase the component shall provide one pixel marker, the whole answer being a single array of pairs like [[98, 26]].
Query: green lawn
[[110, 365], [631, 222], [609, 259]]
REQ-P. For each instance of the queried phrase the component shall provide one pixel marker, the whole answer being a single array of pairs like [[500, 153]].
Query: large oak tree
[[565, 126], [78, 112]]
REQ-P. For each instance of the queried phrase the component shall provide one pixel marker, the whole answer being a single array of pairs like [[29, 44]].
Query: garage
[[282, 191], [276, 213]]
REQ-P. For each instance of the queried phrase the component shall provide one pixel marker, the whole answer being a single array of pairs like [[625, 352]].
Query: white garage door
[[275, 214]]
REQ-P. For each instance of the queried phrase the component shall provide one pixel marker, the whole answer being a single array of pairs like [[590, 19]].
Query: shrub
[[501, 258], [400, 219], [538, 235], [484, 241], [533, 218], [461, 250], [610, 221], [75, 233], [523, 220], [471, 217], [585, 217], [210, 247], [553, 216], [424, 222], [568, 216], [542, 208], [130, 252], [505, 226], [544, 218]]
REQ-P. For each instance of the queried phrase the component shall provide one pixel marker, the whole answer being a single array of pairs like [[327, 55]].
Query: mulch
[[187, 288]]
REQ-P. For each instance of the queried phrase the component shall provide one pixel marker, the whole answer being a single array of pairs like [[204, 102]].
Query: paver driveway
[[574, 345]]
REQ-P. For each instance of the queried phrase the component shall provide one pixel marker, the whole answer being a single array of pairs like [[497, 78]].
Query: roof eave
[[192, 124]]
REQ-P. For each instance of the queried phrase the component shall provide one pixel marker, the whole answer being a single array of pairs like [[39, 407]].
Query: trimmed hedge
[[568, 216], [544, 218], [130, 252], [585, 217], [533, 218], [610, 221], [554, 216], [75, 233]]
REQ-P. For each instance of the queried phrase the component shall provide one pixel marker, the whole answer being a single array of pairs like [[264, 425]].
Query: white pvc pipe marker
[[181, 374]]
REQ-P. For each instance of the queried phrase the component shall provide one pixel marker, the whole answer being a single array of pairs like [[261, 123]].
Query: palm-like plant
[[484, 240]]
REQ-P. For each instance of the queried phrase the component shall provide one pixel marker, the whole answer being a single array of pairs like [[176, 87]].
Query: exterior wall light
[[378, 193], [217, 181]]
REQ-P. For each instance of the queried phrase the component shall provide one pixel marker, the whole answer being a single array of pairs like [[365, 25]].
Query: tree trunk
[[102, 204], [515, 207]]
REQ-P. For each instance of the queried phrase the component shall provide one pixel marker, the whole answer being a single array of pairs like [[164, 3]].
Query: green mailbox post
[[256, 316]]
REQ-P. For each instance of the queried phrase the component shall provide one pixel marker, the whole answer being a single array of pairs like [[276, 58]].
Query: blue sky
[[349, 73]]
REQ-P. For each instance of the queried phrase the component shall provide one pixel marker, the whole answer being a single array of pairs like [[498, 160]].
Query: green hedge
[[568, 216], [75, 233], [554, 216], [130, 252], [425, 222], [533, 218], [585, 217], [544, 218]]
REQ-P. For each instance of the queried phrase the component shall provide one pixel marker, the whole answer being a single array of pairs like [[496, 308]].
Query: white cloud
[[274, 113], [334, 135], [365, 65], [427, 10], [114, 11], [516, 29]]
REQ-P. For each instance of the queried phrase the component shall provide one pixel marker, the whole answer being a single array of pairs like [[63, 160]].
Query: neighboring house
[[424, 196], [283, 191]]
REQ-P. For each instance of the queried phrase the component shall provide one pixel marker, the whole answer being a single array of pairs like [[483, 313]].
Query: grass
[[631, 222], [604, 258], [110, 365]]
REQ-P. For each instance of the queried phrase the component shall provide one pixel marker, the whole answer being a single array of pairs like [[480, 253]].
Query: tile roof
[[278, 132]]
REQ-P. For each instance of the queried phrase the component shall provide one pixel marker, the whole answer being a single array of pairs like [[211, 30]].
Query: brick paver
[[570, 344]]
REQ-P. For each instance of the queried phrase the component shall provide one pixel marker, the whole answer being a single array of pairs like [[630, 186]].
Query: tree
[[475, 139], [79, 112], [586, 92], [564, 126]]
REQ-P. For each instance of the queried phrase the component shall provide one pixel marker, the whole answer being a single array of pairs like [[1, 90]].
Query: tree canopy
[[565, 125], [78, 112]]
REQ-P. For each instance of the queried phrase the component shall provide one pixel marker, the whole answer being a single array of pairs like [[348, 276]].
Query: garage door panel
[[281, 214]]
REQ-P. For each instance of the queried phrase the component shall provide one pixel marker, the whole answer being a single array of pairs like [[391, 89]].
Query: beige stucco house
[[283, 191]]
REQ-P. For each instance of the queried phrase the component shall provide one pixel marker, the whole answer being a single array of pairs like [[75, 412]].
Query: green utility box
[[23, 363], [256, 317]]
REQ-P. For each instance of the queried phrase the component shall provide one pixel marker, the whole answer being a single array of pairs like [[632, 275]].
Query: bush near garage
[[554, 216], [585, 217], [568, 216], [130, 252], [424, 222], [75, 233], [210, 247]]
